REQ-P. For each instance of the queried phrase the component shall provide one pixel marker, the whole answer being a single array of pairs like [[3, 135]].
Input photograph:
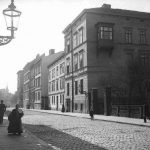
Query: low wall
[[133, 111]]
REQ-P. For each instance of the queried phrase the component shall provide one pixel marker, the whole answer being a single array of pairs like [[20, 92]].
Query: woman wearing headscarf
[[15, 123]]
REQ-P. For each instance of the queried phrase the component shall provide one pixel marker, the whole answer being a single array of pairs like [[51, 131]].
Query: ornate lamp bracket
[[12, 18], [5, 40]]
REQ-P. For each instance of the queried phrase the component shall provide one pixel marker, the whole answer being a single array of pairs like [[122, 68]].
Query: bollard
[[144, 119]]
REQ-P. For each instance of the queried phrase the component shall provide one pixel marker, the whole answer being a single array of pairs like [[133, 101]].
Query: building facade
[[35, 84], [20, 87], [26, 85], [56, 83], [97, 42]]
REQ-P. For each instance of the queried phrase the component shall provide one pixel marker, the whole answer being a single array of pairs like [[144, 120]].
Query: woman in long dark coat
[[15, 123]]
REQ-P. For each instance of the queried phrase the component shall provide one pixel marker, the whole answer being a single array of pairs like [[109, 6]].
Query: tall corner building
[[97, 41]]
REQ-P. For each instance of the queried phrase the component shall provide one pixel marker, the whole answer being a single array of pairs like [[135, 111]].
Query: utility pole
[[72, 77]]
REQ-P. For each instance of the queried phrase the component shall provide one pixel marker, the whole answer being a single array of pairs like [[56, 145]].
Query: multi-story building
[[56, 82], [32, 85], [96, 42], [26, 85], [20, 87], [41, 79], [35, 74]]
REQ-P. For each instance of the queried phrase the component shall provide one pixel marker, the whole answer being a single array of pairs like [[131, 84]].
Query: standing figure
[[15, 123], [92, 113], [2, 111], [63, 108]]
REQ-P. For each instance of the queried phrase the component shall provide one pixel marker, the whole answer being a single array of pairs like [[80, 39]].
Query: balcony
[[105, 46]]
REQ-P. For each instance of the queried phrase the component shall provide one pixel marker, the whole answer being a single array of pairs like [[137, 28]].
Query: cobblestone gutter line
[[60, 140]]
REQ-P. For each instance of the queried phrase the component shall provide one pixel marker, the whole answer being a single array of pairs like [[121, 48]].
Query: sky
[[40, 29]]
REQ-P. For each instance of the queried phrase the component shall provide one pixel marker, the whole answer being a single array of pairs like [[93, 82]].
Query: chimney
[[51, 51], [37, 56], [106, 6]]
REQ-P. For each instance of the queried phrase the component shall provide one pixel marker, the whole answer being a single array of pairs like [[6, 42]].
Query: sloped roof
[[111, 11], [54, 57]]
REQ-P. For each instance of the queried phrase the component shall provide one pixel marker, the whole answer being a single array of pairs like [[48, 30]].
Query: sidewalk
[[124, 120], [26, 141]]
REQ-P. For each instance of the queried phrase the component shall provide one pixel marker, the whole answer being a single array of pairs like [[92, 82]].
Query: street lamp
[[12, 19]]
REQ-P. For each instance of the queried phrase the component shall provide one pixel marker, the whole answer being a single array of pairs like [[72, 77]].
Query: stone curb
[[64, 114]]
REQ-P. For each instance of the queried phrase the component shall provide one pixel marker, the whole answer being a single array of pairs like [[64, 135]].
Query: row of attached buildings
[[96, 42]]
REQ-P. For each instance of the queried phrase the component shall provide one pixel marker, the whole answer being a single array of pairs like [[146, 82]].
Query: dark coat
[[2, 111], [15, 123]]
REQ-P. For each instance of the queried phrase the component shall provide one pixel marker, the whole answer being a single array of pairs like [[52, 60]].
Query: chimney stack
[[106, 6], [51, 51]]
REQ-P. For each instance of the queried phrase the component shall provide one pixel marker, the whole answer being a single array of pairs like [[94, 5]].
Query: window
[[32, 83], [53, 86], [49, 75], [142, 35], [53, 73], [62, 68], [76, 106], [57, 71], [49, 87], [39, 82], [67, 45], [81, 59], [68, 65], [75, 40], [128, 35], [81, 35], [105, 33], [57, 85], [76, 62], [144, 59], [60, 99], [76, 87], [81, 86], [52, 100], [67, 89], [39, 95], [62, 83]]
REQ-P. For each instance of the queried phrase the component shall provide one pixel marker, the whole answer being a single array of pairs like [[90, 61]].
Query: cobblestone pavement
[[109, 135], [60, 140]]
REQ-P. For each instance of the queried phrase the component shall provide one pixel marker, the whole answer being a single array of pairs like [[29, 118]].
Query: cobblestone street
[[108, 135]]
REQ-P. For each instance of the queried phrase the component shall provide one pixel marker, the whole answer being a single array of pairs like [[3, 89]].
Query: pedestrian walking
[[63, 108], [92, 113], [146, 113], [2, 111], [15, 123]]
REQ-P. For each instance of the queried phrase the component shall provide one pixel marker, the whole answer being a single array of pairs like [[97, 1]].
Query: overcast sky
[[40, 29]]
